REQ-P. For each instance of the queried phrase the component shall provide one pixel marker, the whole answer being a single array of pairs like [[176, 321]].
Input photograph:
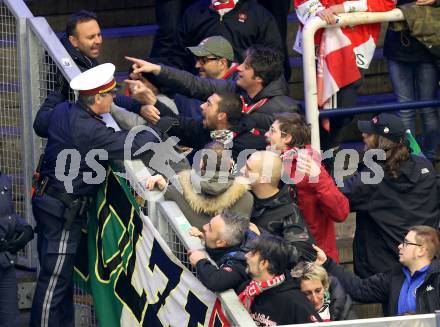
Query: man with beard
[[221, 121], [214, 59], [259, 83], [83, 42]]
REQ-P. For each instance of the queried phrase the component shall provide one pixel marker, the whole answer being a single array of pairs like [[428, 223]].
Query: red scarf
[[231, 70], [255, 288], [217, 5], [247, 109]]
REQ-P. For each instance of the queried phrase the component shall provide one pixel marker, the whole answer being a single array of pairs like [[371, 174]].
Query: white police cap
[[96, 80]]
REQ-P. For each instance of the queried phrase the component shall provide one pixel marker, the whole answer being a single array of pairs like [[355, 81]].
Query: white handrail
[[18, 9], [309, 63]]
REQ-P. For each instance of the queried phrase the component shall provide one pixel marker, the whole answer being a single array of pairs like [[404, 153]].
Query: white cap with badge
[[96, 80]]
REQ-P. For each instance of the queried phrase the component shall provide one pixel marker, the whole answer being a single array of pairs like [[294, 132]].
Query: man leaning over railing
[[227, 239]]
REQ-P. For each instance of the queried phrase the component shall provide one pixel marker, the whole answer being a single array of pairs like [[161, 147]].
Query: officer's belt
[[76, 205], [66, 198]]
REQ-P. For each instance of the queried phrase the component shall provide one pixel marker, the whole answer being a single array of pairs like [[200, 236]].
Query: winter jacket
[[246, 25], [401, 46], [201, 88], [340, 302], [15, 232], [385, 212], [280, 215], [231, 262], [423, 24], [385, 287], [282, 305], [321, 204], [84, 63], [192, 133], [215, 195]]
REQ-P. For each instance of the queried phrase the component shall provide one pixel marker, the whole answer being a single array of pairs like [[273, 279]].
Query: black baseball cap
[[388, 125]]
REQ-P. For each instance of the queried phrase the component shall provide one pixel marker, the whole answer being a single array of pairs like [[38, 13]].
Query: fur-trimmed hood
[[212, 196]]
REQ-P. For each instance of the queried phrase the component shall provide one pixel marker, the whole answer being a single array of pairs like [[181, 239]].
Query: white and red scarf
[[248, 108], [341, 50], [231, 70], [223, 7], [256, 288]]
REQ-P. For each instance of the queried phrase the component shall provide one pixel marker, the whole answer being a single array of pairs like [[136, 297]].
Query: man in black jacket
[[272, 297], [222, 121], [227, 239], [242, 22], [259, 83], [83, 41], [275, 209], [409, 288]]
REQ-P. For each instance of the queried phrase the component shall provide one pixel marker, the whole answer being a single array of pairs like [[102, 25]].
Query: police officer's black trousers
[[9, 315], [53, 298]]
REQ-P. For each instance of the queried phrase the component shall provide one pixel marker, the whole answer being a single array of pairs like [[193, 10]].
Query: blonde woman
[[325, 292]]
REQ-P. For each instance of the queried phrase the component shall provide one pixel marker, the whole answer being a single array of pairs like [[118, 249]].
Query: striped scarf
[[256, 288], [223, 7]]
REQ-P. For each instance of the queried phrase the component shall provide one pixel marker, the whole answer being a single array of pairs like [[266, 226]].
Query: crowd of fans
[[254, 190]]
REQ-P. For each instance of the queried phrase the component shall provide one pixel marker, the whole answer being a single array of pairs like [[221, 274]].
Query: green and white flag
[[134, 277]]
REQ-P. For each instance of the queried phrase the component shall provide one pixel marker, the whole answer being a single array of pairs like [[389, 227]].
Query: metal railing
[[309, 65], [15, 130], [173, 226], [177, 236], [426, 320]]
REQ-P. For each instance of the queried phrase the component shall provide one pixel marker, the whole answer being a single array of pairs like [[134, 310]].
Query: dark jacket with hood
[[15, 232], [282, 305], [247, 24], [385, 287], [214, 196], [231, 262], [280, 215], [201, 88], [84, 63], [192, 133], [385, 211]]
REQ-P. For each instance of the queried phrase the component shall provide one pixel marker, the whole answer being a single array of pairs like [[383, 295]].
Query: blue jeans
[[417, 81]]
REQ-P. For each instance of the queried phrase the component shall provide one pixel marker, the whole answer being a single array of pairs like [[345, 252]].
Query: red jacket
[[321, 204]]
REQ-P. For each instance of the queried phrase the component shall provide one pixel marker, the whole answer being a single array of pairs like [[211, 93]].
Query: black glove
[[305, 251], [20, 240]]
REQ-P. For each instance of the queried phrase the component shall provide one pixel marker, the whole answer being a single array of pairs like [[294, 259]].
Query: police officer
[[14, 234], [79, 146]]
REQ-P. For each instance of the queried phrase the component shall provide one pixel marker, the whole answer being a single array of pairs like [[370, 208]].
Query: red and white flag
[[340, 50]]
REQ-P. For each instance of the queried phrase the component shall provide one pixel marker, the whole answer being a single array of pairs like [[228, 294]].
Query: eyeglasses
[[272, 131], [205, 60], [111, 92], [406, 242]]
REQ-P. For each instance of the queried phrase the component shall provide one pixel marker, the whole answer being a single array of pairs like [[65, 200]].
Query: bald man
[[275, 209]]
